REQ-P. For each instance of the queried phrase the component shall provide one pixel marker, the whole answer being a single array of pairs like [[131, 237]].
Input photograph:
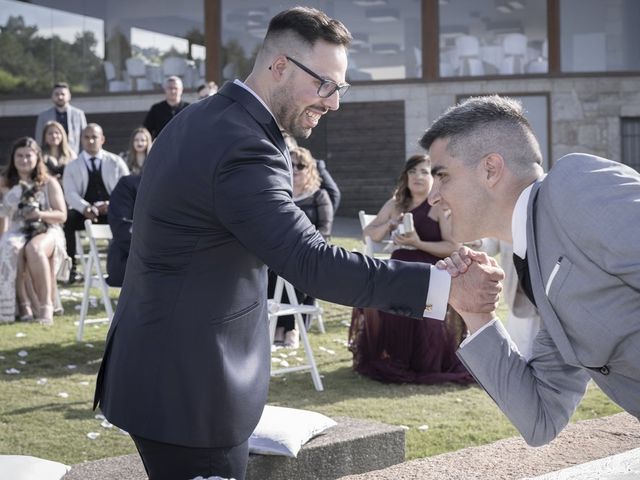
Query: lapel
[[261, 115], [547, 313]]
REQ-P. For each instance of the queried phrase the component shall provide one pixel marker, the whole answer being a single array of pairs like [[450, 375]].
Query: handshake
[[475, 285]]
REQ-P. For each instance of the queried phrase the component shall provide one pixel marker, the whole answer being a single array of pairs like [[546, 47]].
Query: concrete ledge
[[617, 467], [353, 446], [512, 458]]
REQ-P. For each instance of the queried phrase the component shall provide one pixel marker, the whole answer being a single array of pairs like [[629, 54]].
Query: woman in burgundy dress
[[392, 348]]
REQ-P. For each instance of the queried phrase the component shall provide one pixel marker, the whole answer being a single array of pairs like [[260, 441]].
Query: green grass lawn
[[45, 410]]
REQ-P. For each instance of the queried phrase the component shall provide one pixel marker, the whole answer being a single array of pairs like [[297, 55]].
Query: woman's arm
[[443, 248], [58, 211], [385, 222]]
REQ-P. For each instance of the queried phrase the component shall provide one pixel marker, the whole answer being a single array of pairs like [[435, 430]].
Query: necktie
[[523, 276], [93, 164]]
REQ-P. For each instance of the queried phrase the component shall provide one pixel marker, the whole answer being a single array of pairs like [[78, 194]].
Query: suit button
[[604, 370]]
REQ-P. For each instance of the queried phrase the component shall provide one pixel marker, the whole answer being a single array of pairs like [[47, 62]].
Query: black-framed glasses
[[299, 166], [327, 87]]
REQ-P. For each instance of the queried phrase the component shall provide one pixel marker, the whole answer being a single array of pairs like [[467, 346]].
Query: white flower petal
[[23, 353], [12, 371], [92, 435]]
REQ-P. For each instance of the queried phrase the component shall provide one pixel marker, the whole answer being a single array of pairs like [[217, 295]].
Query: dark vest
[[96, 191]]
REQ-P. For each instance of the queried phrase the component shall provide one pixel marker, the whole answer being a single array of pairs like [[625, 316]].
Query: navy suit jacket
[[187, 358]]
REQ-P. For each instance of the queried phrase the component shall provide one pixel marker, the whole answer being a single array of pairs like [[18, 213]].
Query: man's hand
[[91, 213], [103, 207], [475, 285]]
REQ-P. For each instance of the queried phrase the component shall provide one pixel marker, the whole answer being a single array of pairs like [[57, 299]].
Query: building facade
[[573, 63]]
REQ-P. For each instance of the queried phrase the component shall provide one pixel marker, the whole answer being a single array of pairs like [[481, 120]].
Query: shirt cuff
[[472, 336], [438, 294]]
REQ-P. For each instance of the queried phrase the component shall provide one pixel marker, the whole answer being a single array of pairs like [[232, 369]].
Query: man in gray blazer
[[88, 182], [71, 118], [576, 231], [187, 358]]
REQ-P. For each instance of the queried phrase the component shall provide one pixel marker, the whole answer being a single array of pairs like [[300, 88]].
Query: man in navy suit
[[187, 357]]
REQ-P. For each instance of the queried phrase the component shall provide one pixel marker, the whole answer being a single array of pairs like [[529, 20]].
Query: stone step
[[353, 446]]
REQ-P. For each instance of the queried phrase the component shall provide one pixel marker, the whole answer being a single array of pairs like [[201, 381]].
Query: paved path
[[512, 459]]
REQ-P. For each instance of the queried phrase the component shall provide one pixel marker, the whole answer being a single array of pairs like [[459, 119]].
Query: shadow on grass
[[343, 383], [53, 360], [71, 410]]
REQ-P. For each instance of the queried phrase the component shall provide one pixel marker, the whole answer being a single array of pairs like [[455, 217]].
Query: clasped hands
[[92, 212], [475, 285]]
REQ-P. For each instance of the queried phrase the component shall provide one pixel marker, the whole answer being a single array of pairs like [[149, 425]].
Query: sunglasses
[[327, 87], [299, 166]]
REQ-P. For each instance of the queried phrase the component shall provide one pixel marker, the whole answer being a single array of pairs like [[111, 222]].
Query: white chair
[[278, 309], [468, 53], [137, 71], [179, 67], [114, 85], [93, 276], [541, 63], [370, 248], [514, 46]]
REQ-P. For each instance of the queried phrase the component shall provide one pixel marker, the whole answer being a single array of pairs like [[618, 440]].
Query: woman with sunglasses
[[316, 204], [394, 348]]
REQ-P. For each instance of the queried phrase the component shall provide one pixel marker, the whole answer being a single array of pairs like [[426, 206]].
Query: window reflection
[[493, 37], [114, 45], [387, 35], [41, 45], [599, 35]]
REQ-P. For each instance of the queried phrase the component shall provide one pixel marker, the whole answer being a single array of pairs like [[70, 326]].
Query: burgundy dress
[[392, 348]]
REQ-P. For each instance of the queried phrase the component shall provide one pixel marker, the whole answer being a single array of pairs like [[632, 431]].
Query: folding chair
[[369, 247], [279, 309], [93, 276]]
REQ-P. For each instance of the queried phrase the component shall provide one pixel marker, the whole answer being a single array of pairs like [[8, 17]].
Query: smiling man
[[186, 365], [575, 235]]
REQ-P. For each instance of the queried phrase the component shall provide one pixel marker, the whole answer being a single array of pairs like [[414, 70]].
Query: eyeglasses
[[327, 87], [299, 166]]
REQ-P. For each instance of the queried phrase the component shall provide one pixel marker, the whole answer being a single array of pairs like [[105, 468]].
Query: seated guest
[[393, 348], [55, 149], [315, 203], [162, 112], [88, 183], [120, 216], [326, 180], [139, 146], [32, 245]]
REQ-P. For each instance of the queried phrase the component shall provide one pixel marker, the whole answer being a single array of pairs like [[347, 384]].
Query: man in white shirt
[[575, 238], [88, 182]]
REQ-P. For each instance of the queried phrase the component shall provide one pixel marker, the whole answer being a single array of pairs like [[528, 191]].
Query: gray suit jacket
[[187, 357], [75, 118], [583, 235]]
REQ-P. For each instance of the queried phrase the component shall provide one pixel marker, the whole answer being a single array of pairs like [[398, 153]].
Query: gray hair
[[483, 125]]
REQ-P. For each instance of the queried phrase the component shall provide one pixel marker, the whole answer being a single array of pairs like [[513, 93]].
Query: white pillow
[[283, 431], [22, 467]]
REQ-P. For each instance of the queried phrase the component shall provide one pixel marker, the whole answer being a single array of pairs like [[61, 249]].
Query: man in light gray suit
[[71, 118], [576, 230]]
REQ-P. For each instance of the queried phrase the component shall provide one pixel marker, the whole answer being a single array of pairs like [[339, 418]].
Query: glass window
[[599, 35], [492, 37], [40, 45], [113, 45], [387, 35]]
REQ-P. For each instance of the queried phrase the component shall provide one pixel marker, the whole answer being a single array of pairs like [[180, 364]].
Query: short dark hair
[[481, 125], [311, 25], [61, 85], [201, 87]]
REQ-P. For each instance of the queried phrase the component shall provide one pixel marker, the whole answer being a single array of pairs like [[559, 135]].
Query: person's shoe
[[26, 313], [292, 339], [46, 315], [278, 338]]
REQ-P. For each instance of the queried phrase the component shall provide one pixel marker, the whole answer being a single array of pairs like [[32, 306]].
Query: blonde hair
[[131, 153], [66, 154], [312, 179]]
